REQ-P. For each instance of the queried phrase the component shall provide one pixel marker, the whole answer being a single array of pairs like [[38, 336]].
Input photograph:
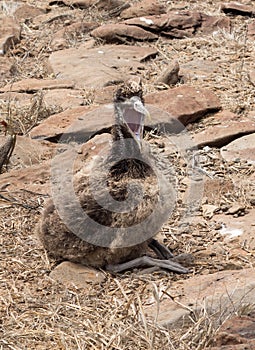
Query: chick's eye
[[138, 106]]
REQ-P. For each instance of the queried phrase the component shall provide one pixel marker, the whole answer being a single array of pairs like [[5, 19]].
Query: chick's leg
[[148, 262]]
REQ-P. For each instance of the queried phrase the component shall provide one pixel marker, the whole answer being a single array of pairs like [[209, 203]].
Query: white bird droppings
[[146, 20], [231, 232]]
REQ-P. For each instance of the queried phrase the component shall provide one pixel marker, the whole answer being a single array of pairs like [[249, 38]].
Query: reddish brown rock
[[220, 294], [144, 8], [27, 12], [120, 32], [184, 103], [35, 178], [170, 75], [251, 115], [56, 125], [32, 85], [100, 66], [223, 128], [63, 98], [236, 208], [241, 149], [79, 124], [173, 24], [39, 22], [236, 333], [236, 8], [181, 24], [211, 24], [198, 69], [104, 95], [28, 152], [9, 33]]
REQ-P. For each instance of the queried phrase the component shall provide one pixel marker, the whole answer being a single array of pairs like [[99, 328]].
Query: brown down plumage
[[99, 233]]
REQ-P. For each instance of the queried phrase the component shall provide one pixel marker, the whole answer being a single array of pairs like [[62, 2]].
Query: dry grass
[[22, 117], [231, 55], [39, 313]]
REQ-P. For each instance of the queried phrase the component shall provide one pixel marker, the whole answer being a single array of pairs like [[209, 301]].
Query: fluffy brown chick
[[121, 199]]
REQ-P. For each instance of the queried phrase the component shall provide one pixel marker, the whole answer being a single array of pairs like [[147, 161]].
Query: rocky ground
[[60, 64]]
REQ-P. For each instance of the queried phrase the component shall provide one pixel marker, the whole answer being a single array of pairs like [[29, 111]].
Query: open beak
[[134, 114]]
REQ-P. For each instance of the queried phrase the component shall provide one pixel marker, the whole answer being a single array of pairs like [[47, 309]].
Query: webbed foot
[[148, 262]]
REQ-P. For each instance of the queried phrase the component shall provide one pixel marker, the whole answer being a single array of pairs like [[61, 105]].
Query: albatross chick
[[121, 199]]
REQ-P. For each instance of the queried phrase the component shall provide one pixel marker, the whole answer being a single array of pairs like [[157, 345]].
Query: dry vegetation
[[37, 312]]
